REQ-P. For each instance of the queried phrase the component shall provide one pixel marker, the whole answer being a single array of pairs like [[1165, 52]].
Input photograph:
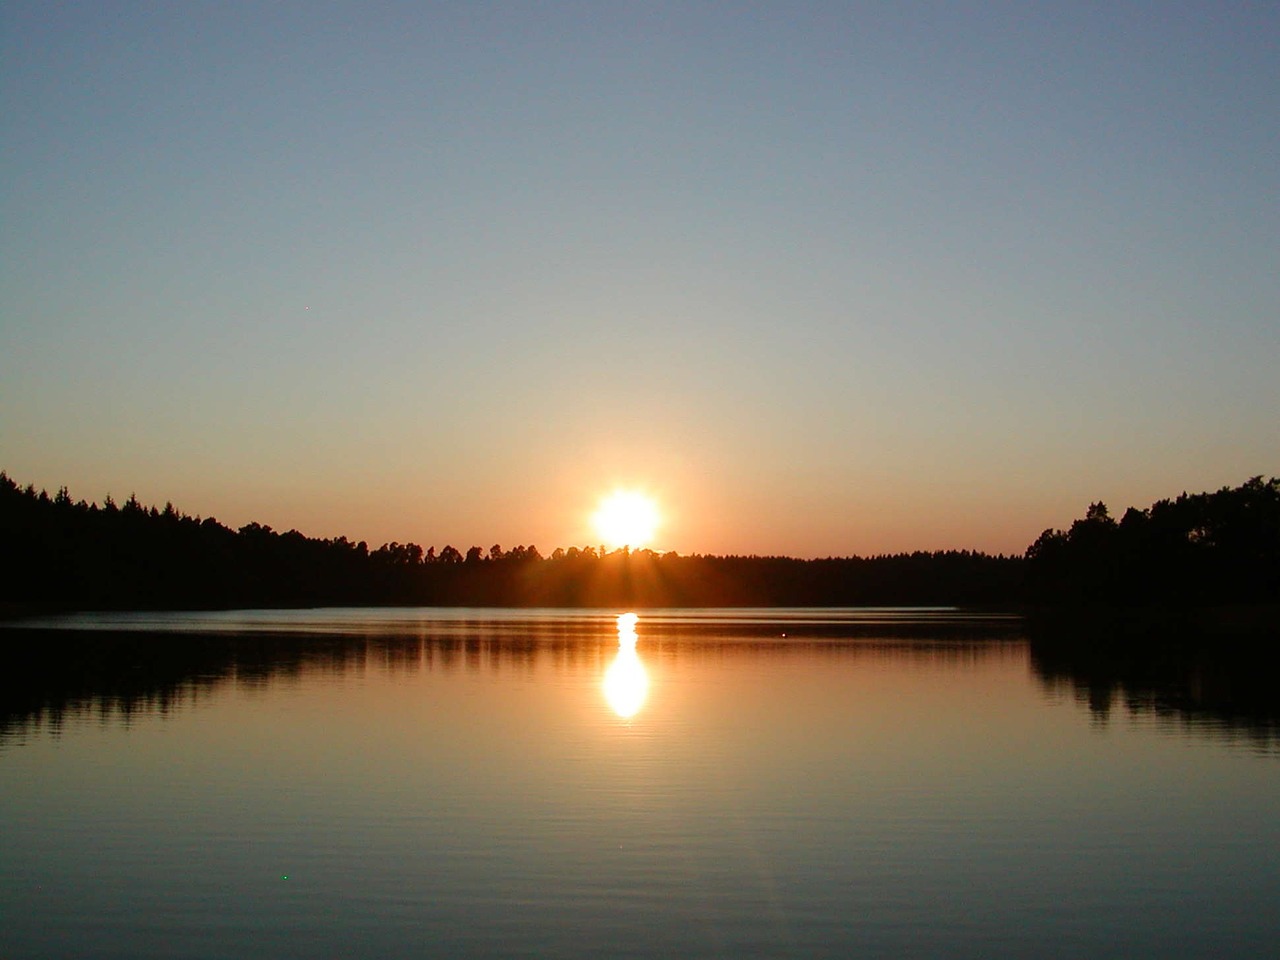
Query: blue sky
[[824, 278]]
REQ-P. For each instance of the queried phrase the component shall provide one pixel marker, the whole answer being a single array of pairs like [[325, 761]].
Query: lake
[[693, 783]]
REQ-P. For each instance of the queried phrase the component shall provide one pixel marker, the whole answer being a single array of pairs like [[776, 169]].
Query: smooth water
[[737, 783]]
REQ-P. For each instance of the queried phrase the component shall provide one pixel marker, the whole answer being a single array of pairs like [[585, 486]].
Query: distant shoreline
[[1207, 561], [1083, 624]]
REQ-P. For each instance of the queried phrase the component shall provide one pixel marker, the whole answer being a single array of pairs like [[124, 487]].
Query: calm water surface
[[800, 783]]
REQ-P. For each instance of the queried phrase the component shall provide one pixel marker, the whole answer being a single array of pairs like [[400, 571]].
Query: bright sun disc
[[626, 519]]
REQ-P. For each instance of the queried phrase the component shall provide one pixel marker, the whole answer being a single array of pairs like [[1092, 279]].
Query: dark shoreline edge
[[1088, 623], [1147, 624]]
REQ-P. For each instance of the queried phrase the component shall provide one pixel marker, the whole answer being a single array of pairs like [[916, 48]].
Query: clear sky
[[824, 278]]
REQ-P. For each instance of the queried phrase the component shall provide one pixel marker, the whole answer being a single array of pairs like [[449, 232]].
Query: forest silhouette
[[1152, 574], [63, 554]]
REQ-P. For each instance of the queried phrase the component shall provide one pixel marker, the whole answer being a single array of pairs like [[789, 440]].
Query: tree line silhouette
[[61, 553], [1204, 548]]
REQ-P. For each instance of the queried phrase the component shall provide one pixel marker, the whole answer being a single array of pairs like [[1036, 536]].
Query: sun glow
[[626, 519]]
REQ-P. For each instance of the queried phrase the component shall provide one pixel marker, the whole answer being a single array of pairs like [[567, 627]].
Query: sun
[[626, 519]]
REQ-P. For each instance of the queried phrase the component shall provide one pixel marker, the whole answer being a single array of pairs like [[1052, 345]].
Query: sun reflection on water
[[626, 684]]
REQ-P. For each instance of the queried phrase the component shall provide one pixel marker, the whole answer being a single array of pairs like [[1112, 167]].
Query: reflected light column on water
[[626, 684]]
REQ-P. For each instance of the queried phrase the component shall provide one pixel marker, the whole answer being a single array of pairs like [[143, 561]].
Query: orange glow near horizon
[[626, 518]]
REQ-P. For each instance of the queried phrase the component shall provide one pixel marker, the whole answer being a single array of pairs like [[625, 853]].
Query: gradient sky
[[826, 278]]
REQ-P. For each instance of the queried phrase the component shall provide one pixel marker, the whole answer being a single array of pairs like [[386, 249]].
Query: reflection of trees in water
[[1228, 689], [117, 675]]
